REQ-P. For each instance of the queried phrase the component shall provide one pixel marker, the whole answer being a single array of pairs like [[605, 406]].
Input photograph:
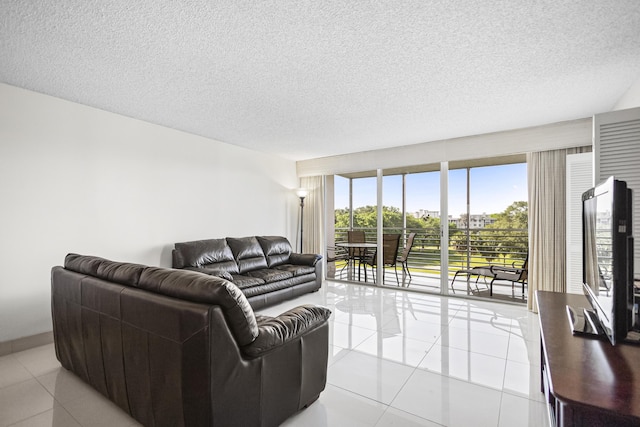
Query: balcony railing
[[467, 248]]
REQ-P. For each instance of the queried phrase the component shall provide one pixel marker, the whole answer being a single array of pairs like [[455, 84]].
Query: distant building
[[475, 221], [423, 213]]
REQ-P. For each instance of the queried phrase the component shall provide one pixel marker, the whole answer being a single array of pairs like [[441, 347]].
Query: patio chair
[[482, 271], [356, 254], [336, 254], [390, 244], [355, 236], [405, 256], [512, 274]]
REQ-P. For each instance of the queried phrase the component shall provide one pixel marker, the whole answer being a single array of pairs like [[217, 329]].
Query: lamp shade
[[302, 192]]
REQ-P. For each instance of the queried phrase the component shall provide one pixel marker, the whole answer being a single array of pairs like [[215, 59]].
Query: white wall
[[631, 97], [78, 179]]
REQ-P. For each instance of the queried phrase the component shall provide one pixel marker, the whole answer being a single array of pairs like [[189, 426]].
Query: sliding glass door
[[483, 219], [422, 193], [489, 227]]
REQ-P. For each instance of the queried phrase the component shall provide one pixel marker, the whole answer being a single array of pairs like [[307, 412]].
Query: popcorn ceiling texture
[[305, 79]]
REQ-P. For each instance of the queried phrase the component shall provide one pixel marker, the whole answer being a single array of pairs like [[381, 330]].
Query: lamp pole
[[302, 193]]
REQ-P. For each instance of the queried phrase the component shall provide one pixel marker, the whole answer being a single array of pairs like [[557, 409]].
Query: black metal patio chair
[[390, 244], [405, 256], [511, 273]]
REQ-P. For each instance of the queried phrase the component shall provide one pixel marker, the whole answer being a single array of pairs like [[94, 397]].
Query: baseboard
[[25, 343]]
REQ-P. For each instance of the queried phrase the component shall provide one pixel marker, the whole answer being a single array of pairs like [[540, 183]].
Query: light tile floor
[[396, 359]]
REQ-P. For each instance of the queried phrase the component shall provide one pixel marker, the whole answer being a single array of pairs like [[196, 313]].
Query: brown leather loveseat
[[265, 268], [180, 348]]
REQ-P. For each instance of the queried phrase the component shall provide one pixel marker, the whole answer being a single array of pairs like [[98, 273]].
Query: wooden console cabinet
[[586, 381]]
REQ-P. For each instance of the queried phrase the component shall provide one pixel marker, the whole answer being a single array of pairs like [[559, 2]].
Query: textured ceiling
[[305, 79]]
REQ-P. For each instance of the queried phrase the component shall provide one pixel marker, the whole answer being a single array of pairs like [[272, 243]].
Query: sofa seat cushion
[[270, 275], [244, 282], [267, 288], [296, 270]]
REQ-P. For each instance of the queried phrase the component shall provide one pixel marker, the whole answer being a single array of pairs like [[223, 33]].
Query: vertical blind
[[617, 153]]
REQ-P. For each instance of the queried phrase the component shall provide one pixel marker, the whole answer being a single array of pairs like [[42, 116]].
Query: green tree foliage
[[366, 217], [432, 235], [510, 235], [506, 236], [341, 217], [515, 215], [432, 222]]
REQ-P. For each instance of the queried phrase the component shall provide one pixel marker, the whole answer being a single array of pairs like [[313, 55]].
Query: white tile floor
[[396, 359]]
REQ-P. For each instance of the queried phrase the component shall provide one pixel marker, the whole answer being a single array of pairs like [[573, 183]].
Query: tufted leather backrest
[[276, 249], [131, 345], [248, 253], [213, 254], [119, 272], [182, 284], [198, 287]]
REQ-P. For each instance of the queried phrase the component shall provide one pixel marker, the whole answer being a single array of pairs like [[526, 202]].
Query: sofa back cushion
[[248, 253], [197, 287], [213, 254], [181, 284], [276, 249], [123, 273]]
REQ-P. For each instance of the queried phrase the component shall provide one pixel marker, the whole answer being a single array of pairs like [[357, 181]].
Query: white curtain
[[313, 220], [547, 221]]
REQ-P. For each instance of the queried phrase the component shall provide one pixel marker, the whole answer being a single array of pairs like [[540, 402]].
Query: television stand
[[586, 382]]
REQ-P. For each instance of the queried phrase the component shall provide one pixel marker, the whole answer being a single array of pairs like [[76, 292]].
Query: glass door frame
[[444, 222]]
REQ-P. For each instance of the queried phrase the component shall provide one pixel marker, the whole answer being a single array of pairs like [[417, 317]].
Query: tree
[[486, 242], [366, 217], [464, 220], [513, 223], [341, 218], [516, 215], [432, 232]]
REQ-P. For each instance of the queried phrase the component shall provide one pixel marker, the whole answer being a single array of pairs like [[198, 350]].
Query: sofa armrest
[[277, 331], [305, 259]]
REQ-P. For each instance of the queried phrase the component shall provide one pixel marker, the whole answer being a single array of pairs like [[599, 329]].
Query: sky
[[493, 188]]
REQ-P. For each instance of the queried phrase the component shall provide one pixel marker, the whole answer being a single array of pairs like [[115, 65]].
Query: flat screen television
[[608, 258]]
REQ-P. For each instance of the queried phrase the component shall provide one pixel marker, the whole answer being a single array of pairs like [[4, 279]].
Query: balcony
[[467, 248]]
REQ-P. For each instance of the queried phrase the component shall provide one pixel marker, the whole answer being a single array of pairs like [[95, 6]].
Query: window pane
[[392, 204], [423, 218], [494, 188], [491, 230], [499, 213], [364, 206]]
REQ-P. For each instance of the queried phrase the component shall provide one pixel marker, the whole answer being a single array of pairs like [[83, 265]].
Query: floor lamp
[[302, 193]]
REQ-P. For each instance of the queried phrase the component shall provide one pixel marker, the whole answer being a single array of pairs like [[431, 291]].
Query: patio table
[[364, 245]]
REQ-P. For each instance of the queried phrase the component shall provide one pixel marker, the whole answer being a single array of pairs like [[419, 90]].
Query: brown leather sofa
[[180, 348], [263, 267]]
